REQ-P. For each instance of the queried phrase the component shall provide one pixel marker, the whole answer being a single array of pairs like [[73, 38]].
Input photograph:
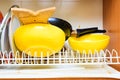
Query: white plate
[[3, 33], [14, 24], [5, 46]]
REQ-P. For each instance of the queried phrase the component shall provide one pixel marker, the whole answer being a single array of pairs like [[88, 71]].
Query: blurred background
[[83, 13]]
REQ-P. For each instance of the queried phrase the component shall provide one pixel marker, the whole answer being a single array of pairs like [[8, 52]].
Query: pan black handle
[[81, 32]]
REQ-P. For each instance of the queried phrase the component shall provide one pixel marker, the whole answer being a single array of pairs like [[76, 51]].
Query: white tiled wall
[[86, 13]]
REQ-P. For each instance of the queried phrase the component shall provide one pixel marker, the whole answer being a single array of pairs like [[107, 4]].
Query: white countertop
[[58, 71]]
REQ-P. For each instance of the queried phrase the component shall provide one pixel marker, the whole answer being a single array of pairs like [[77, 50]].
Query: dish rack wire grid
[[63, 57]]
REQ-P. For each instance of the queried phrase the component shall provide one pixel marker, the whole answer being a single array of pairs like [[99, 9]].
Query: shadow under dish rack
[[62, 57]]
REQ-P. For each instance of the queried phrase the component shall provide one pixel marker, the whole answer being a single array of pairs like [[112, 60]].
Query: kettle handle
[[7, 18]]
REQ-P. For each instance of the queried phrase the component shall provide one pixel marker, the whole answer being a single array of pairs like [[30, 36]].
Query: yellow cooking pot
[[89, 42], [39, 40]]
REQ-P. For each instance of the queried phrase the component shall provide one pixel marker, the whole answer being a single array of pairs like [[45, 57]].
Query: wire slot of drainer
[[62, 57]]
